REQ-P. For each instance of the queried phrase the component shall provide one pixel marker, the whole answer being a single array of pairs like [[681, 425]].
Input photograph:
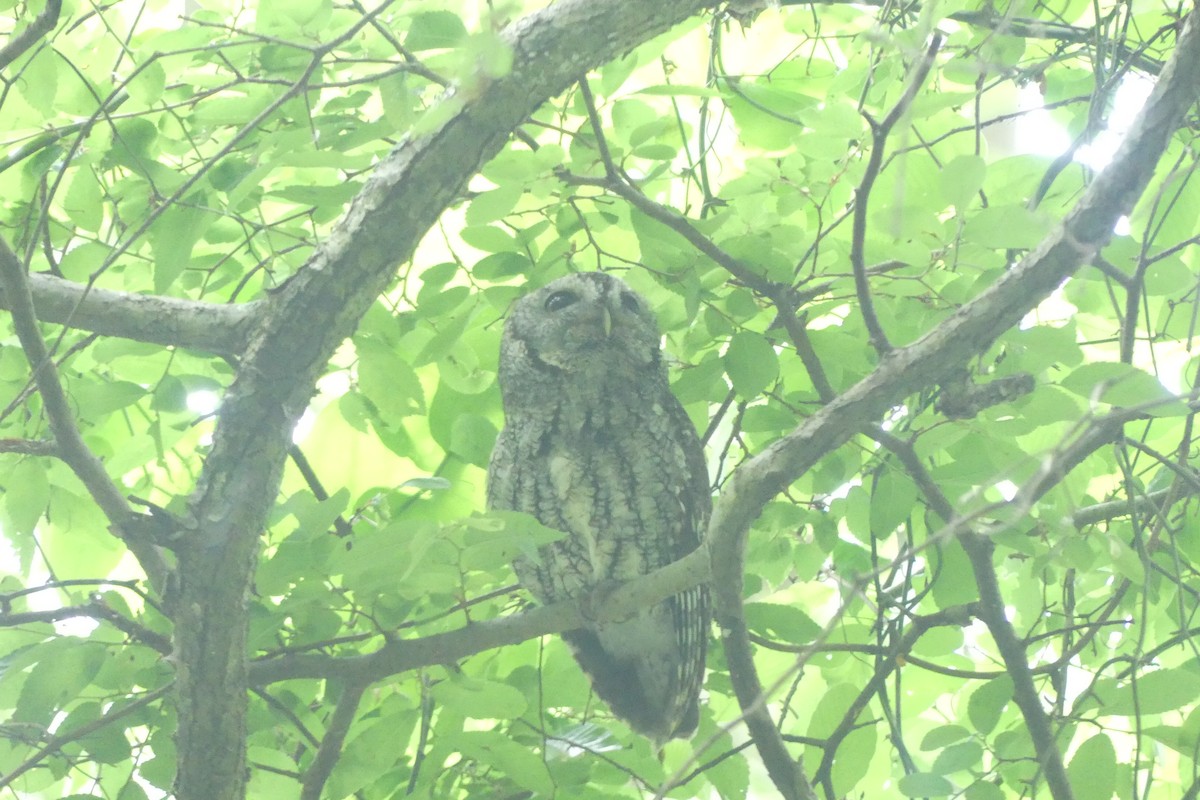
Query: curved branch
[[1012, 651], [879, 135], [69, 441], [970, 330]]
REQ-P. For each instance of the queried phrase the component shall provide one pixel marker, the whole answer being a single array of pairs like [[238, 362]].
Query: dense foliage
[[971, 563]]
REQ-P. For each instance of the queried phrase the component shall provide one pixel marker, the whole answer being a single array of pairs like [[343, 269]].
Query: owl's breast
[[576, 497]]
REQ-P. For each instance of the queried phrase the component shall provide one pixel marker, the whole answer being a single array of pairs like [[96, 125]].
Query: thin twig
[[56, 743], [879, 135]]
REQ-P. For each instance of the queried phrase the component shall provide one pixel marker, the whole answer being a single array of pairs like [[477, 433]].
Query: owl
[[596, 446]]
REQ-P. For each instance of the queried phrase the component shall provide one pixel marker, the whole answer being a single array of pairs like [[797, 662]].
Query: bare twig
[[879, 135], [56, 743], [340, 525]]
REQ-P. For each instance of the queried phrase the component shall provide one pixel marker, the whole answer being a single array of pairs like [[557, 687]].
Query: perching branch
[[402, 655]]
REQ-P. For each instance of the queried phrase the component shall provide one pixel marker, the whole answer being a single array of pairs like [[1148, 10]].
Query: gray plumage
[[595, 445]]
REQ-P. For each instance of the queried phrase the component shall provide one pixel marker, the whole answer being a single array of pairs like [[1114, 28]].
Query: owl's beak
[[606, 321]]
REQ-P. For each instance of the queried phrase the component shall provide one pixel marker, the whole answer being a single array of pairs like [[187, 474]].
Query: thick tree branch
[[145, 318], [42, 24], [69, 441], [301, 325]]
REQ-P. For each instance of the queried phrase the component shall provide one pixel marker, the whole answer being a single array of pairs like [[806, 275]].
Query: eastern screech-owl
[[595, 445]]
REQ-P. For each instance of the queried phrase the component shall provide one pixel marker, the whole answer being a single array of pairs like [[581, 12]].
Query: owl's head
[[587, 325]]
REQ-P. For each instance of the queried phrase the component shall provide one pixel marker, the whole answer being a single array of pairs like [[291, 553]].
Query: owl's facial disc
[[589, 325]]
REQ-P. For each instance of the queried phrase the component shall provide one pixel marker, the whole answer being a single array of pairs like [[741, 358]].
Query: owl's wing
[[690, 610], [695, 496]]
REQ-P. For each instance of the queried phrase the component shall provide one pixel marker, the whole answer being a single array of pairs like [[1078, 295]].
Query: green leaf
[[988, 702], [984, 790], [172, 238], [955, 582], [388, 381], [147, 86], [371, 752], [925, 784], [680, 91], [480, 699], [107, 743], [961, 180], [1152, 693], [26, 495], [786, 623], [854, 759], [958, 758], [434, 30], [524, 767], [82, 261], [64, 668], [82, 201], [1006, 226], [493, 205], [1093, 768], [943, 736], [472, 437], [96, 400], [489, 239], [1122, 385], [751, 363], [892, 499]]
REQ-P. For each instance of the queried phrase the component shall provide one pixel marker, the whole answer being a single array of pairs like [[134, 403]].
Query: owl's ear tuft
[[559, 300], [630, 301]]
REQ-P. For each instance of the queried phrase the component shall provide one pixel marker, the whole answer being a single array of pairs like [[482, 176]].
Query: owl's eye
[[630, 302], [560, 300]]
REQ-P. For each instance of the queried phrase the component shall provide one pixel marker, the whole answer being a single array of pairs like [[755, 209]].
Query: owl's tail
[[643, 689]]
